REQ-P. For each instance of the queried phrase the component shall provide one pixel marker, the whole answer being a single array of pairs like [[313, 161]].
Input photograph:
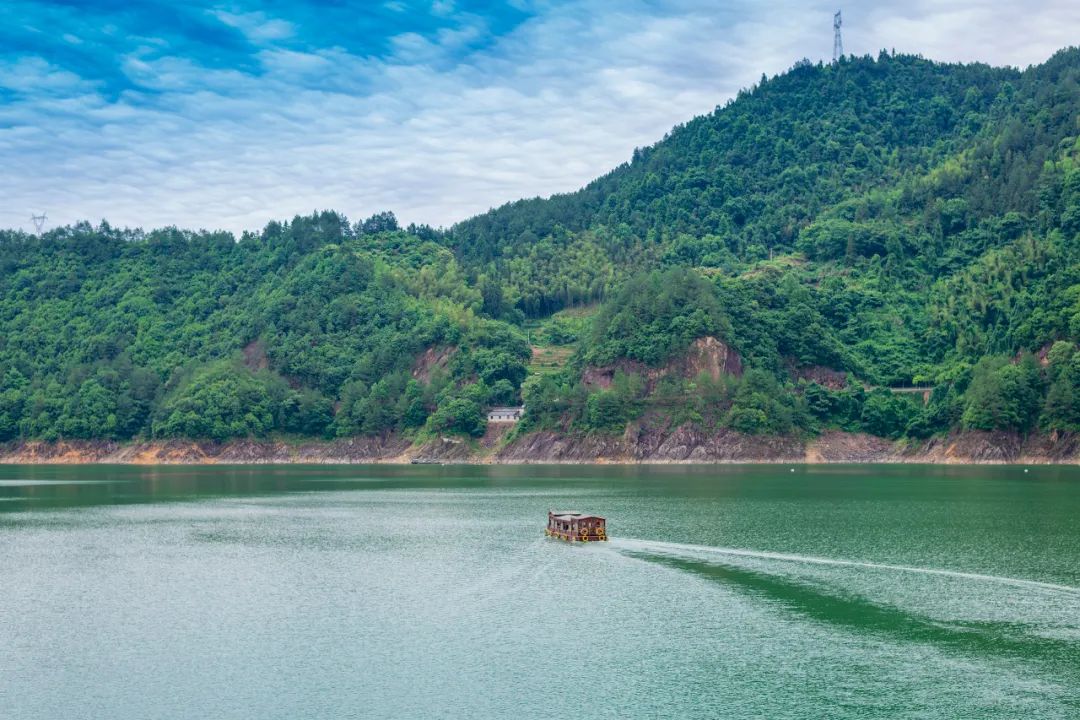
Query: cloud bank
[[229, 115]]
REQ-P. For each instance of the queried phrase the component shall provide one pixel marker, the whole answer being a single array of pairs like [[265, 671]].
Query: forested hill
[[840, 230], [756, 170], [743, 183]]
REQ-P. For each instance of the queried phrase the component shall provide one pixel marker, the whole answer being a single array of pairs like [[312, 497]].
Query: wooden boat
[[576, 527]]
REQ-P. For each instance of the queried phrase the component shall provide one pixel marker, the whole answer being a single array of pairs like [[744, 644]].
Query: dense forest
[[889, 245]]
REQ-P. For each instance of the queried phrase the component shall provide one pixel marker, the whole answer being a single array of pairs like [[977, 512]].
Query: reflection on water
[[404, 592]]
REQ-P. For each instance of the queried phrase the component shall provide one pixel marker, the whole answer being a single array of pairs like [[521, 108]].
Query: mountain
[[884, 245]]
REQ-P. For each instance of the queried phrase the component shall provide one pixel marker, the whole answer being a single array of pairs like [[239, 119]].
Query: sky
[[227, 115]]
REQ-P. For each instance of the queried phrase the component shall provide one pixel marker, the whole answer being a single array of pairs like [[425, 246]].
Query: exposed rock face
[[255, 357], [365, 449], [61, 452], [834, 446], [692, 445], [494, 434], [974, 446], [826, 377], [977, 446], [1057, 447], [711, 356], [552, 447], [705, 355], [445, 449], [434, 358], [594, 377], [684, 444], [641, 443]]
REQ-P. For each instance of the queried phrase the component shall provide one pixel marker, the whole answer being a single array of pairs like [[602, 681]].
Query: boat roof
[[574, 515]]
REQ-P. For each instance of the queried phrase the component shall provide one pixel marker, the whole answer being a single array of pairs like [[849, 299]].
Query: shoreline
[[682, 446]]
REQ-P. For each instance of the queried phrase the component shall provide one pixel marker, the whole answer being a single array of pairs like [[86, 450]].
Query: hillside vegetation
[[845, 229]]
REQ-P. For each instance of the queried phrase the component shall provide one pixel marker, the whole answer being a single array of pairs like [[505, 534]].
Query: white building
[[505, 414]]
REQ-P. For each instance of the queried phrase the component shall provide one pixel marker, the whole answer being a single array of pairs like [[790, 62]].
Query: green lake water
[[431, 592]]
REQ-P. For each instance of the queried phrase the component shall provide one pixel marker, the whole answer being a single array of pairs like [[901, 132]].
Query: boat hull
[[568, 537]]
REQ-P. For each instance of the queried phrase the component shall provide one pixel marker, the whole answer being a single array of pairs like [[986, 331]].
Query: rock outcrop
[[705, 355], [640, 443], [432, 359]]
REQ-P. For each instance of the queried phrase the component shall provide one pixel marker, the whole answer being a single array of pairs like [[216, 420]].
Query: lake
[[431, 592]]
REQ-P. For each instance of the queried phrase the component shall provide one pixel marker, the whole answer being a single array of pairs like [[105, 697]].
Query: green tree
[[218, 402], [758, 406], [460, 415], [12, 397], [888, 414], [307, 412], [1003, 395], [1061, 410]]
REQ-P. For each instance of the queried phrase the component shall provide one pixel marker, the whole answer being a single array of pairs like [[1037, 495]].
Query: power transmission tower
[[838, 43], [39, 221]]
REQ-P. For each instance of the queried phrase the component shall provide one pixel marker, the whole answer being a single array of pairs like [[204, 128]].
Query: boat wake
[[656, 546]]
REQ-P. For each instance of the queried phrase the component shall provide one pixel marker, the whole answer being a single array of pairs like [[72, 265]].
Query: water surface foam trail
[[660, 546]]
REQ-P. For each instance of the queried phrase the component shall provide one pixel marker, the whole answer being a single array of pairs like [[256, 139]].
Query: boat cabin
[[574, 526]]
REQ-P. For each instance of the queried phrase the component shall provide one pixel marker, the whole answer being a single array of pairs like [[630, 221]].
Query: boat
[[574, 526]]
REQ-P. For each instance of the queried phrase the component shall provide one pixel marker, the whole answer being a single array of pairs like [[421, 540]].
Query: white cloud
[[1018, 34], [430, 134], [442, 7], [34, 75], [257, 27]]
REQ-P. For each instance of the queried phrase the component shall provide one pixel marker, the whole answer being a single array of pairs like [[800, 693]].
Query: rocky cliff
[[684, 444]]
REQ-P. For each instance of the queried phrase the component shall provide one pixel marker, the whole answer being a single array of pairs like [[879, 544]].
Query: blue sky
[[227, 115]]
